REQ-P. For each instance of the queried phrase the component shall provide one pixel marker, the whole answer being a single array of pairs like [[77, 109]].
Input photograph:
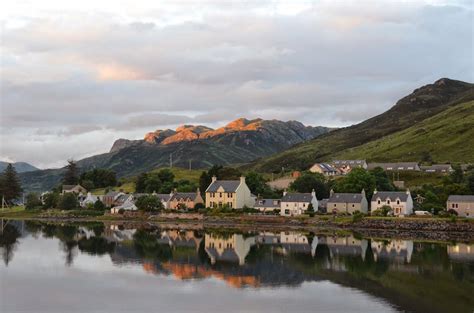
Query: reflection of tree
[[96, 245], [8, 239], [147, 246], [67, 236]]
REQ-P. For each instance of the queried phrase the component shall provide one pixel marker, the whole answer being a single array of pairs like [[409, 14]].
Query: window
[[398, 201], [220, 194], [378, 202], [353, 205], [335, 204], [388, 201], [287, 211]]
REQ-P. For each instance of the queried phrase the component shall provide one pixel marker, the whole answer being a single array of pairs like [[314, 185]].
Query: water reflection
[[411, 276]]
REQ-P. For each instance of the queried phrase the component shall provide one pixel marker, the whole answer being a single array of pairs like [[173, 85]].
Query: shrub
[[33, 201], [68, 201]]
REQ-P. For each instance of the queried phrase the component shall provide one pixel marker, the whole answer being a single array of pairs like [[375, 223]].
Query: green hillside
[[447, 137], [423, 103]]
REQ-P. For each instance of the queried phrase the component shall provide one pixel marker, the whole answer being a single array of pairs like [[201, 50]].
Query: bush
[[99, 205], [383, 211], [33, 201], [68, 201], [357, 216], [199, 206]]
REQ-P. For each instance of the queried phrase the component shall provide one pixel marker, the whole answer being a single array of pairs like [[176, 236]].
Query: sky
[[77, 75]]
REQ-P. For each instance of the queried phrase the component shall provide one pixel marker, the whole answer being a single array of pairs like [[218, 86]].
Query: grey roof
[[267, 203], [111, 193], [184, 195], [227, 185], [69, 187], [392, 195], [228, 254], [297, 197], [345, 198], [437, 168], [348, 162], [162, 196], [394, 166], [461, 198]]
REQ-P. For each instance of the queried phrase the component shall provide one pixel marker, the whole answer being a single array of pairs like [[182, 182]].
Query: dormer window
[[378, 201], [398, 201], [388, 201]]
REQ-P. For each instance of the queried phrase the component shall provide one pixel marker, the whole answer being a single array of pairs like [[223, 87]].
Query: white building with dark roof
[[437, 168], [234, 194], [462, 204], [400, 202], [347, 202], [293, 204], [399, 166]]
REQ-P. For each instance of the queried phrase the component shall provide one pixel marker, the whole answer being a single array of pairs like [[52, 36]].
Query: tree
[[99, 205], [11, 187], [165, 175], [355, 181], [68, 201], [204, 181], [470, 182], [310, 210], [258, 185], [149, 203], [51, 200], [140, 184], [33, 201], [71, 176], [309, 181], [457, 176], [382, 182], [153, 183], [98, 178]]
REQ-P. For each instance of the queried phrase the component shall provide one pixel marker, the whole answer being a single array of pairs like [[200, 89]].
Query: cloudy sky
[[76, 75]]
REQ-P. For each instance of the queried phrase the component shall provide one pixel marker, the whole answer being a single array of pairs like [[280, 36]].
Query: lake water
[[99, 267]]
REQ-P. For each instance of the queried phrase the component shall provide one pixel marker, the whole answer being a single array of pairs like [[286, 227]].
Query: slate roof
[[162, 196], [436, 168], [348, 162], [392, 195], [345, 198], [267, 203], [297, 197], [461, 198], [227, 185], [184, 195], [394, 166], [112, 194], [228, 255]]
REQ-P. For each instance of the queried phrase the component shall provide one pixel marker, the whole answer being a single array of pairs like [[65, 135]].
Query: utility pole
[[171, 160], [190, 164]]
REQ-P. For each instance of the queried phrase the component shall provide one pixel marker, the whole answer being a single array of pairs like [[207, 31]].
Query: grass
[[183, 173], [447, 136], [128, 187]]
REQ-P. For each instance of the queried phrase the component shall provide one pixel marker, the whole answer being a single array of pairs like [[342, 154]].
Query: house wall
[[216, 199], [464, 209], [297, 208], [347, 207], [401, 209]]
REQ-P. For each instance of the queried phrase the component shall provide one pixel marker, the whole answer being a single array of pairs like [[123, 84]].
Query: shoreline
[[401, 228]]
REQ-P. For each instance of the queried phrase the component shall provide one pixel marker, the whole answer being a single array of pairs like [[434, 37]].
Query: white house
[[293, 204], [90, 199], [234, 194], [400, 202]]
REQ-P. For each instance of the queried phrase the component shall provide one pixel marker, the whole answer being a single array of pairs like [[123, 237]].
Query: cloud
[[88, 73]]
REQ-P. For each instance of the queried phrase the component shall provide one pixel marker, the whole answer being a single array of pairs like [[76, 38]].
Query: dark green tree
[[33, 201], [149, 203], [51, 200], [382, 182], [309, 181], [11, 186], [140, 184], [99, 205], [457, 176], [68, 201], [204, 181], [71, 176], [355, 181], [153, 183], [166, 175]]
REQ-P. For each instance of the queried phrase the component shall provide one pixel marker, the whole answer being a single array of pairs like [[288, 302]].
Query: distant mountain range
[[240, 141], [20, 167], [436, 120]]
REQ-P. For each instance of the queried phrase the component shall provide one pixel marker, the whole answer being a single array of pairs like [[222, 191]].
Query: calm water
[[110, 268]]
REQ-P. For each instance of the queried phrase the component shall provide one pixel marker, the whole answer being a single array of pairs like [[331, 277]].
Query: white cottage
[[293, 204], [401, 203]]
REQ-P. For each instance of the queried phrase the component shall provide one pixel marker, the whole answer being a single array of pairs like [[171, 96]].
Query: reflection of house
[[77, 189], [231, 193], [267, 205], [463, 205], [345, 246], [400, 202], [185, 200], [345, 166], [395, 250], [461, 252], [181, 239], [347, 202], [232, 249], [324, 168], [294, 242], [293, 204]]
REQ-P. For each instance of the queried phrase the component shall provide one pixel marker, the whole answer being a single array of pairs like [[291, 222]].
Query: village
[[235, 195]]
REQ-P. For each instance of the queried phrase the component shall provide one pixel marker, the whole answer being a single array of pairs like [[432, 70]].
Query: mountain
[[421, 104], [240, 141], [20, 167]]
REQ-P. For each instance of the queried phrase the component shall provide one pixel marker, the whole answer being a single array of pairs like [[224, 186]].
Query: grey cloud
[[327, 65]]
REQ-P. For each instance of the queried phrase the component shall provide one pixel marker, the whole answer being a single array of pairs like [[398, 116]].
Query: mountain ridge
[[20, 167]]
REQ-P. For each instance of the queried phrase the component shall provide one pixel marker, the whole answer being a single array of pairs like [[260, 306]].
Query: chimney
[[214, 178], [375, 191], [242, 179], [198, 191], [313, 193], [408, 191], [331, 193], [363, 192], [284, 192]]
